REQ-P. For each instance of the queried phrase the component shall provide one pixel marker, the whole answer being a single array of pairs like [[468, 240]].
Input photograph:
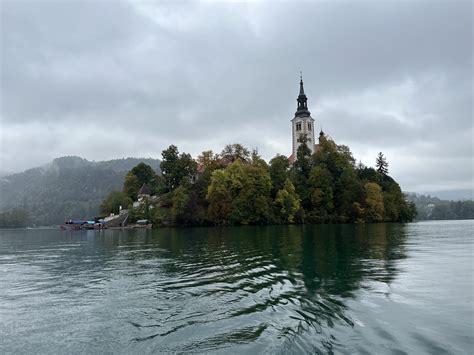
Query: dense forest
[[237, 187], [68, 187], [433, 208]]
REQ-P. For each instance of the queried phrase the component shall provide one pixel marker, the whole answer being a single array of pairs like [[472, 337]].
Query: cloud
[[111, 79]]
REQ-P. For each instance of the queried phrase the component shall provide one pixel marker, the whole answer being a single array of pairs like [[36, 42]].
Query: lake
[[383, 288]]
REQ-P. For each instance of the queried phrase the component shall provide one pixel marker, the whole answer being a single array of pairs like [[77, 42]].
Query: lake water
[[385, 288]]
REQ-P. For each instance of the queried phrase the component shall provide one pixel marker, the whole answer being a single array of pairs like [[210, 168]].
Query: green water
[[283, 289]]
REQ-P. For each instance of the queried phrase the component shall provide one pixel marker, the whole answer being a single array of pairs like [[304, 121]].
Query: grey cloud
[[393, 76]]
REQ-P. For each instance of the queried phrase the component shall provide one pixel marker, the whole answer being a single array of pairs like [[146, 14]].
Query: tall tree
[[278, 170], [300, 172], [382, 165], [139, 175], [374, 210], [288, 202], [321, 188], [175, 167]]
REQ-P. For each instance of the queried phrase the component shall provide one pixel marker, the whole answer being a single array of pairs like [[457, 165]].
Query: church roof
[[144, 190]]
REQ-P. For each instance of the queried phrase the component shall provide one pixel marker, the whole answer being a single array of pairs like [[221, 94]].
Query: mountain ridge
[[67, 187]]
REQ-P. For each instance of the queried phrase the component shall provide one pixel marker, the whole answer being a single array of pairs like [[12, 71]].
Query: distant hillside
[[68, 187], [433, 208]]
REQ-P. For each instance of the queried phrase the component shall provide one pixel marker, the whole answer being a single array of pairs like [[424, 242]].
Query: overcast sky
[[109, 79]]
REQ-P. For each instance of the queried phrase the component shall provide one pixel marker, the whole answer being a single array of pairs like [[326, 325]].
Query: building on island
[[143, 196], [302, 125], [144, 192]]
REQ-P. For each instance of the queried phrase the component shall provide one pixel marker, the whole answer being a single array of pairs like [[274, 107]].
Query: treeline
[[66, 188], [16, 218], [237, 187], [433, 208]]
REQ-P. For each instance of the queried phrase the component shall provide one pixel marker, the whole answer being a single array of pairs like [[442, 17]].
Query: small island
[[317, 183], [237, 187]]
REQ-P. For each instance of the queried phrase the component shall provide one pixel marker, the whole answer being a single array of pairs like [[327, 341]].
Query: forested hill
[[433, 208], [68, 187]]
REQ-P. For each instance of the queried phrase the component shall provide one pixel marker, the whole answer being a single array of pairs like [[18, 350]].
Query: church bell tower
[[302, 124]]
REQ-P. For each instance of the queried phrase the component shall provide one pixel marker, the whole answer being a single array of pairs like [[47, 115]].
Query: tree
[[233, 152], [374, 209], [15, 218], [300, 172], [382, 165], [257, 160], [239, 194], [219, 196], [139, 175], [288, 202], [179, 211], [175, 167], [278, 170], [252, 205], [209, 161], [321, 188], [113, 201]]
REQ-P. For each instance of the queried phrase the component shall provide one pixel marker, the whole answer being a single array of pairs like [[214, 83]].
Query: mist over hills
[[67, 187]]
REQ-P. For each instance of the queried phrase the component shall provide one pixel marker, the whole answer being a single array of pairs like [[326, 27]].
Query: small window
[[309, 126], [298, 126]]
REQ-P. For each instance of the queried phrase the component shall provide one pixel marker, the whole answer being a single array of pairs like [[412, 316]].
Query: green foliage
[[239, 194], [143, 211], [179, 208], [113, 201], [300, 172], [66, 188], [220, 197], [209, 161], [239, 188], [176, 167], [139, 175], [131, 185], [381, 165], [374, 209], [15, 218], [288, 202], [278, 170], [433, 208], [233, 152], [321, 187]]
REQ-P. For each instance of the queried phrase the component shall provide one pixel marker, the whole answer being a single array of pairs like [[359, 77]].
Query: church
[[303, 125]]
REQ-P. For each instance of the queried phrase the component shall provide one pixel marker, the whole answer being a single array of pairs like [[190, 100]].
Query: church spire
[[301, 85], [302, 108]]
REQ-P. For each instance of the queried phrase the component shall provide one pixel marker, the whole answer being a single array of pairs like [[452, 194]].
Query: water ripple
[[310, 289]]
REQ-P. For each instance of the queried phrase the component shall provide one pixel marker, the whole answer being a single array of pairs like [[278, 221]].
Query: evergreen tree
[[382, 165]]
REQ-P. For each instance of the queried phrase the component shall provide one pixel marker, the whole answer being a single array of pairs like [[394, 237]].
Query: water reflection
[[255, 288]]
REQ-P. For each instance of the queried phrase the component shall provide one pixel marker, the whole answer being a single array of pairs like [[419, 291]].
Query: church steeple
[[302, 125], [302, 108]]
